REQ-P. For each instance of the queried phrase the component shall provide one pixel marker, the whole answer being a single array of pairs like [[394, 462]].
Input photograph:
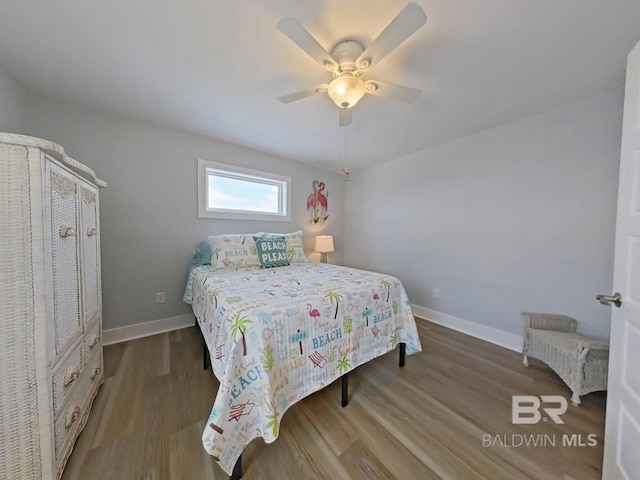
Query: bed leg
[[345, 389], [204, 346], [237, 469], [403, 351], [204, 354]]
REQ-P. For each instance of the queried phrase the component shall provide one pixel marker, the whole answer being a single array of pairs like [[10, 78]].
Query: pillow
[[295, 247], [272, 251], [233, 250]]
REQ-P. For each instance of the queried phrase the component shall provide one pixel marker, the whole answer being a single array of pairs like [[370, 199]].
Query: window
[[227, 191]]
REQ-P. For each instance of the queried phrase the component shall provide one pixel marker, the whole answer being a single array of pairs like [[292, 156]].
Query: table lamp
[[324, 244]]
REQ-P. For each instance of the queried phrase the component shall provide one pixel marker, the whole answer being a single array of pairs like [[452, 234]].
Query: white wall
[[12, 104], [149, 217], [517, 218]]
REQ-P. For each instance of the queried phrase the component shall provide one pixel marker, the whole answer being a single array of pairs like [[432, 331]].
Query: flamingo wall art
[[318, 203]]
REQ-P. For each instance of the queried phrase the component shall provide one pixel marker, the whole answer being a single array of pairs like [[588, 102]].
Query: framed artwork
[[318, 203]]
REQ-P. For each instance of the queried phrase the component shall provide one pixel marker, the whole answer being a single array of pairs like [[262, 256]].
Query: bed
[[275, 335]]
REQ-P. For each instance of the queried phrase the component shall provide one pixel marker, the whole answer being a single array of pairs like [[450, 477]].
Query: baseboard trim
[[145, 329], [483, 332]]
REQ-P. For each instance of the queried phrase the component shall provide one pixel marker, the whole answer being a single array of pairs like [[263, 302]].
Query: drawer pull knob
[[67, 231], [72, 416], [96, 372], [71, 376], [94, 341], [92, 231]]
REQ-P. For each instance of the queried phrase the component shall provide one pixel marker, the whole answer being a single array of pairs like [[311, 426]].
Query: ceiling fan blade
[[391, 90], [345, 116], [292, 97], [301, 37], [410, 19]]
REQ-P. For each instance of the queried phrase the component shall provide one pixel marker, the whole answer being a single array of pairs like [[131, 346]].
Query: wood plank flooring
[[446, 414]]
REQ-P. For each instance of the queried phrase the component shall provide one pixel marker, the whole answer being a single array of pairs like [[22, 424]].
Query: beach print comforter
[[279, 334]]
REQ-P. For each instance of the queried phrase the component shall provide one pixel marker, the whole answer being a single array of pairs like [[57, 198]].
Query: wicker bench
[[582, 363]]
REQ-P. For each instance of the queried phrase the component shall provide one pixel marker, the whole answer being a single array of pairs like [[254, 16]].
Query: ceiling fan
[[349, 60]]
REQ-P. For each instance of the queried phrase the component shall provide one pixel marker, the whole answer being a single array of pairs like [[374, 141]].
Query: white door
[[622, 432]]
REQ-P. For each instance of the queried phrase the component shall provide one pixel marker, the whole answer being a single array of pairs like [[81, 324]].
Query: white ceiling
[[216, 67]]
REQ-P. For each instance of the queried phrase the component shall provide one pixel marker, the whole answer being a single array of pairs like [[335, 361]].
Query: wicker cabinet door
[[90, 244], [62, 191]]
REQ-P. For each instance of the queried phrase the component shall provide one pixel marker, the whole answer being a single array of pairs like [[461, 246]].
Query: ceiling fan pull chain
[[345, 170]]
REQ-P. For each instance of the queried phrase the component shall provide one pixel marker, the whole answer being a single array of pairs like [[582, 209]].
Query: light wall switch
[[160, 297]]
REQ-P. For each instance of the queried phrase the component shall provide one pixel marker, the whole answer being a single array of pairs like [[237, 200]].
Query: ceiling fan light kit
[[349, 60], [346, 90]]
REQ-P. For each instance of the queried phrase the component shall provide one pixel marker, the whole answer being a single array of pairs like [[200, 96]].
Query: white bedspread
[[277, 335]]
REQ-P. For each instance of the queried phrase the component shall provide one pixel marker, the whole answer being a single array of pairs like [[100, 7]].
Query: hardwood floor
[[446, 414]]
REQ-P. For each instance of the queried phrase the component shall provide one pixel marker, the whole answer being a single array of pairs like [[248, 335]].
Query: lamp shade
[[346, 90], [324, 243]]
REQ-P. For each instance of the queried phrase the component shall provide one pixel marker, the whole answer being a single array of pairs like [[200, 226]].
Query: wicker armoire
[[50, 305]]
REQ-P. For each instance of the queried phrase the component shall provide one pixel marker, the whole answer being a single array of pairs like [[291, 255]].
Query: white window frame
[[284, 183]]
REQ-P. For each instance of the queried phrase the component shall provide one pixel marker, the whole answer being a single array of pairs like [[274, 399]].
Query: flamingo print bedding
[[277, 335]]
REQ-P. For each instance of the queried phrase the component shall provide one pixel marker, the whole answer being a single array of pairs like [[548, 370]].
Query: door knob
[[616, 299]]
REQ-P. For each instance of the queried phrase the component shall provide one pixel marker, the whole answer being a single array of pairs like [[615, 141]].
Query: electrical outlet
[[436, 293], [160, 297]]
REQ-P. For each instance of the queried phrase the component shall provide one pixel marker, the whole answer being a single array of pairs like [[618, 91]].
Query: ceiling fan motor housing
[[346, 54]]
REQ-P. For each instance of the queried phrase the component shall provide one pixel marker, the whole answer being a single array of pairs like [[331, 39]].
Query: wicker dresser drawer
[[67, 375], [73, 415], [70, 416], [95, 369], [93, 340]]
